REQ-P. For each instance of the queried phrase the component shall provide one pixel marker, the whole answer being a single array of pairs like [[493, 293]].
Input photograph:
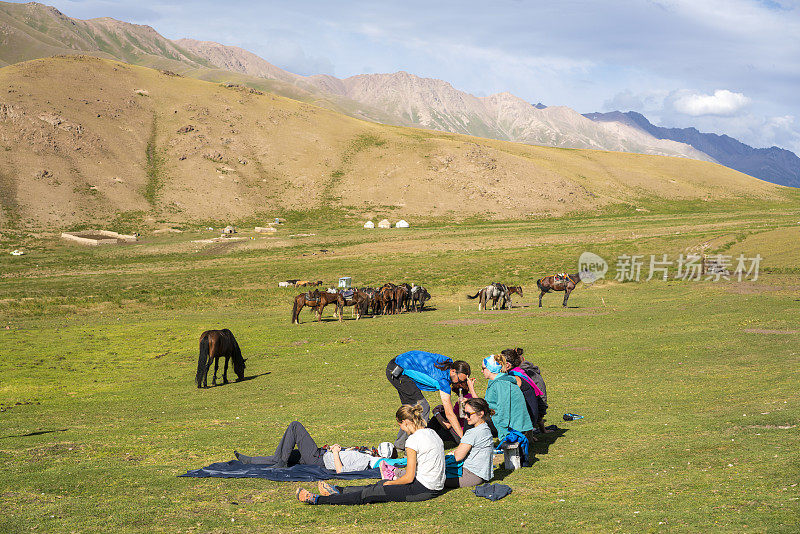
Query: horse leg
[[225, 371], [540, 298], [567, 291], [216, 366]]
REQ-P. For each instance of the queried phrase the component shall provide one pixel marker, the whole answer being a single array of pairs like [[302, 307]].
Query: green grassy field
[[689, 389]]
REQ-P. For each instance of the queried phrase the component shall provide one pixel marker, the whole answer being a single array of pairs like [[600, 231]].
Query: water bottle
[[572, 417]]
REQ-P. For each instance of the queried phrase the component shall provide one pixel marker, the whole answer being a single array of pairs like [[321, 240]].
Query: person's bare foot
[[306, 496]]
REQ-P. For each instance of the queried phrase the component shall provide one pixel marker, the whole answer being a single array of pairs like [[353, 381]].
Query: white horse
[[495, 292]]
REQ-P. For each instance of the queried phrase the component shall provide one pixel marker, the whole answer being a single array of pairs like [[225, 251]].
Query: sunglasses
[[469, 414]]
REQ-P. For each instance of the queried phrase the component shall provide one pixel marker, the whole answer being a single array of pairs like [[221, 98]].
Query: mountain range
[[29, 31]]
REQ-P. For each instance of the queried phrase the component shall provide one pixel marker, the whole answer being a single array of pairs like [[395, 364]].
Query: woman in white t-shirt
[[423, 480], [476, 448]]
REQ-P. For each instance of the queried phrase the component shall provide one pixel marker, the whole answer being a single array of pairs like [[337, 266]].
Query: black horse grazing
[[565, 283], [216, 344]]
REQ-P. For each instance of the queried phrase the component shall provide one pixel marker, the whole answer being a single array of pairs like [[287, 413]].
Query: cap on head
[[491, 364], [385, 450]]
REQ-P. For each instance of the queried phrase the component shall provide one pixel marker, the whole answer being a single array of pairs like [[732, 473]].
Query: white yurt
[[384, 224], [369, 224], [401, 224]]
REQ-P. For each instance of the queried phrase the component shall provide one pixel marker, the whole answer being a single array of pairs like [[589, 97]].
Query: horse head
[[238, 367]]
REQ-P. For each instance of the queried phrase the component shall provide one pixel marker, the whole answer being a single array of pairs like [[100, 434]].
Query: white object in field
[[401, 224], [511, 456], [369, 224], [384, 224]]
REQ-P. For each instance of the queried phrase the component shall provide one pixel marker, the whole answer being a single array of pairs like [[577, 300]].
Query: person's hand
[[336, 448]]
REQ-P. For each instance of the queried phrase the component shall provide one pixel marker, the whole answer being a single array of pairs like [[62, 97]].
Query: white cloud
[[722, 102]]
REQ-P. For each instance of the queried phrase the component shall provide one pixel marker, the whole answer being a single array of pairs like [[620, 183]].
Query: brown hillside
[[75, 133]]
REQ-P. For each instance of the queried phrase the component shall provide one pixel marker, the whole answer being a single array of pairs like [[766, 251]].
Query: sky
[[727, 67]]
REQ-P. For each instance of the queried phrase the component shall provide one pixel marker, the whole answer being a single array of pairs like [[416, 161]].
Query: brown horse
[[360, 302], [216, 344], [566, 284], [512, 290], [316, 300], [385, 298]]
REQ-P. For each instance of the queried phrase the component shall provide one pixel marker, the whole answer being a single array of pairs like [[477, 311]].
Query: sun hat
[[491, 364], [385, 450]]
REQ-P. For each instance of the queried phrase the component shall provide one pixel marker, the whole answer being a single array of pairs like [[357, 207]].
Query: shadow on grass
[[39, 433], [245, 379], [535, 449]]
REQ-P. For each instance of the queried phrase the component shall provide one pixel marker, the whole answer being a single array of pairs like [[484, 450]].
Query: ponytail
[[407, 412], [460, 366], [513, 356]]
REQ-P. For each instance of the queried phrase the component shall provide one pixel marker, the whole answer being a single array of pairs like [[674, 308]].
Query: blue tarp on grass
[[295, 473]]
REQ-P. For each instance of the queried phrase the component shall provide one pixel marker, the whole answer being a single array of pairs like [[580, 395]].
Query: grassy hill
[[93, 141]]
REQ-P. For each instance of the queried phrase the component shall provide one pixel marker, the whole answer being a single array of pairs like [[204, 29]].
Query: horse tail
[[202, 361], [294, 310], [476, 295], [540, 286]]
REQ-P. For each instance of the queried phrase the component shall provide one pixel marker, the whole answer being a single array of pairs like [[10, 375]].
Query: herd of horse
[[389, 299]]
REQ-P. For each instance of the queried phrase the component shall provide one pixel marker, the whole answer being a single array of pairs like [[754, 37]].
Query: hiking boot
[[327, 489], [306, 496]]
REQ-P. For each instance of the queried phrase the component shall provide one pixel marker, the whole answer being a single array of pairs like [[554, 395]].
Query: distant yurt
[[384, 224], [401, 224], [369, 224]]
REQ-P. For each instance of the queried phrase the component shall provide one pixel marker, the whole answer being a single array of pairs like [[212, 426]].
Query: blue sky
[[728, 66]]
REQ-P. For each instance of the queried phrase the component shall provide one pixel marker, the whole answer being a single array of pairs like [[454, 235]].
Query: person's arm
[[471, 387], [447, 404], [462, 451], [337, 461], [411, 470]]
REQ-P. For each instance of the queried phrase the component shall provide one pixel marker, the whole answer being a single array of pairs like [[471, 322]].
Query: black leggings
[[379, 492], [297, 436], [409, 394]]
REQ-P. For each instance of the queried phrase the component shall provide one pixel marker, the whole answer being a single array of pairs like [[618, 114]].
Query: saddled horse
[[317, 300], [419, 295], [216, 344], [495, 292], [310, 299], [565, 283], [359, 300]]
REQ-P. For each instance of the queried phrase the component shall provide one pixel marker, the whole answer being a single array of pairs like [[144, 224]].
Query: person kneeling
[[423, 480], [476, 448]]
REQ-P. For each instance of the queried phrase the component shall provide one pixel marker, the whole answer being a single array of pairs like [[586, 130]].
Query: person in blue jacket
[[416, 371]]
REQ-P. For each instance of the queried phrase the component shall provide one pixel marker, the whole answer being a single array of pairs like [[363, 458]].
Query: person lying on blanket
[[334, 458], [423, 480]]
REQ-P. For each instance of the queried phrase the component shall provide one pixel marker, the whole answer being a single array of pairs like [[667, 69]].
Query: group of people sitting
[[515, 401]]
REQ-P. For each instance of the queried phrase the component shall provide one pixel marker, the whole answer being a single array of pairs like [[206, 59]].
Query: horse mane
[[236, 353]]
